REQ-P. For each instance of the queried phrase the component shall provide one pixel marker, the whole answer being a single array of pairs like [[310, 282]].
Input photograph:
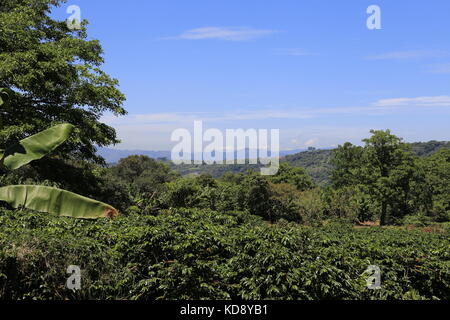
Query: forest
[[143, 229]]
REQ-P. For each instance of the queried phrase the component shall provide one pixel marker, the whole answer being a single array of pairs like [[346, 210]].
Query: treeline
[[316, 162], [384, 180]]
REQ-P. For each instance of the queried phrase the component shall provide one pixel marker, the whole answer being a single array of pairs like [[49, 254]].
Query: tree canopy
[[55, 75]]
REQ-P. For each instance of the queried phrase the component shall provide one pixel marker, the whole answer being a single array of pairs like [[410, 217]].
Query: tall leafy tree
[[55, 75], [144, 173], [385, 169], [437, 186], [347, 162], [389, 171]]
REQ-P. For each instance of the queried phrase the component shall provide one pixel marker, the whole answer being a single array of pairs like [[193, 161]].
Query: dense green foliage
[[316, 162], [396, 182], [44, 198], [203, 254], [56, 77]]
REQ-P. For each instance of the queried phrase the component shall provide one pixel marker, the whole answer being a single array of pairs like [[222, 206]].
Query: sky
[[310, 68]]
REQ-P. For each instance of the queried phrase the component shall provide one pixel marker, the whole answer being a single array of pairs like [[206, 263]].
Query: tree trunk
[[383, 213]]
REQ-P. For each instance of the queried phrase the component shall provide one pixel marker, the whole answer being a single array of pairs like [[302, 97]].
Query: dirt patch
[[367, 224]]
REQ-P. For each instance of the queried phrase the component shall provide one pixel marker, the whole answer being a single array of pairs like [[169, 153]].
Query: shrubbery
[[204, 254]]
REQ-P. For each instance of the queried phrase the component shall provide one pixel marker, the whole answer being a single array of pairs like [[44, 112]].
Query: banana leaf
[[55, 201], [36, 146]]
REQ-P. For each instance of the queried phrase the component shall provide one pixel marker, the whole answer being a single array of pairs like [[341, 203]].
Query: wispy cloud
[[440, 68], [223, 33], [152, 131], [382, 106], [311, 142], [409, 55], [190, 117], [437, 101], [293, 52]]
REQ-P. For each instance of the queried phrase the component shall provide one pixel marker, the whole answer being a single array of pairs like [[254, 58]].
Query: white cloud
[[152, 131], [311, 142], [173, 119], [408, 55], [438, 101], [190, 117], [223, 33], [321, 136]]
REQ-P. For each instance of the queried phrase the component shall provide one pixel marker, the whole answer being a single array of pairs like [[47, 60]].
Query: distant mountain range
[[114, 155]]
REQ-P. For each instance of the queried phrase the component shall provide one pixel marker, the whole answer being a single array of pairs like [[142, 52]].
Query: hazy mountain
[[114, 155]]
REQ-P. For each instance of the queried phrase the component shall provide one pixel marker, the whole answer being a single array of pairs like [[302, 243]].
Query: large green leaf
[[55, 201], [36, 146]]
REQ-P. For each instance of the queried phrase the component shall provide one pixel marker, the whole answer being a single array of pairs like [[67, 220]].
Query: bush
[[417, 220], [203, 254], [181, 193], [311, 207], [285, 198], [348, 204]]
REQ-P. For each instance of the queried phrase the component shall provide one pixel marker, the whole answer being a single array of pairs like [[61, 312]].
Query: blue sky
[[310, 68]]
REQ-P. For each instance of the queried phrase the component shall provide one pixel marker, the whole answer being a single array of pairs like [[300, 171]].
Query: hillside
[[114, 155], [317, 162], [424, 149]]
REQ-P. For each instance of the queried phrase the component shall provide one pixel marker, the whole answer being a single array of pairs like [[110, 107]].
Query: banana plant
[[41, 198]]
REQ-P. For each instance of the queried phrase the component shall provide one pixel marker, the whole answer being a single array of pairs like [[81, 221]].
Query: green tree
[[181, 193], [144, 173], [55, 75], [437, 186], [257, 196], [297, 176], [348, 203], [205, 180], [389, 171], [285, 198], [347, 162], [385, 169]]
